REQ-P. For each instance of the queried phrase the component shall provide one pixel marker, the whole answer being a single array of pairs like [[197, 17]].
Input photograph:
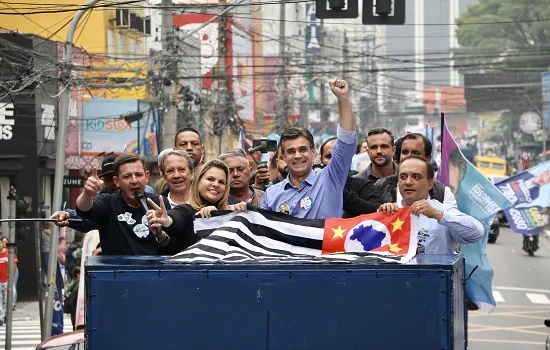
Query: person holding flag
[[441, 226]]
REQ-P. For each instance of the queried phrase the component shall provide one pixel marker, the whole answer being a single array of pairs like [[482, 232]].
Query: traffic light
[[383, 7], [384, 12], [336, 8]]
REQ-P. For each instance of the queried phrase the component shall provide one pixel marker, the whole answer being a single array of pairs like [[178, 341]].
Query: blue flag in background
[[478, 197], [57, 318], [241, 144]]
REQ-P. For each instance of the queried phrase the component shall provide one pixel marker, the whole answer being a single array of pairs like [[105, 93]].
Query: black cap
[[108, 165]]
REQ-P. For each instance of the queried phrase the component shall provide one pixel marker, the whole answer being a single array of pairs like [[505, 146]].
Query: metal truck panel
[[138, 303]]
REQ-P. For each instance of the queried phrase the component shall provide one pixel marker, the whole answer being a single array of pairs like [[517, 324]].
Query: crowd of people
[[134, 219]]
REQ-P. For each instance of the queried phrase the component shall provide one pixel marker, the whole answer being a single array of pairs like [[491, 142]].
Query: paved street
[[522, 291], [26, 327]]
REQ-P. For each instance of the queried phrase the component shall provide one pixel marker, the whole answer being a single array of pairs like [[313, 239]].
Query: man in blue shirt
[[305, 193]]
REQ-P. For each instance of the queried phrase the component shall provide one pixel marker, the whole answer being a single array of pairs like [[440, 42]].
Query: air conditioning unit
[[122, 18]]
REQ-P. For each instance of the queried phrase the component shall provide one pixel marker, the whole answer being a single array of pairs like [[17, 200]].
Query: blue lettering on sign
[[95, 124], [108, 125]]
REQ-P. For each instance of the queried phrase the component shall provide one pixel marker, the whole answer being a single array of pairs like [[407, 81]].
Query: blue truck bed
[[140, 303]]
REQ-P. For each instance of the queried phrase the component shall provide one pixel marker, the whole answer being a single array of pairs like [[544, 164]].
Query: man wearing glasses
[[305, 193]]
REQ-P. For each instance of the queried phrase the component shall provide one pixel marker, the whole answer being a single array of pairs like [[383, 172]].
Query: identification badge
[[305, 203], [144, 220], [283, 209], [141, 230]]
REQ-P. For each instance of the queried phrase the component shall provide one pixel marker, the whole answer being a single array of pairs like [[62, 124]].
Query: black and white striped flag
[[266, 237]]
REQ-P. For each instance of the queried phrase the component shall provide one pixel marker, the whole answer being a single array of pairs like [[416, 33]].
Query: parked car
[[67, 341], [495, 179], [494, 230]]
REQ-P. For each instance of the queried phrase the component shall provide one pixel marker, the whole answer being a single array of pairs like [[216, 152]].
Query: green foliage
[[520, 41]]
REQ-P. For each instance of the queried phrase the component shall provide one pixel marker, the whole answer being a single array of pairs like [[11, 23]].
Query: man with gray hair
[[239, 172], [177, 171]]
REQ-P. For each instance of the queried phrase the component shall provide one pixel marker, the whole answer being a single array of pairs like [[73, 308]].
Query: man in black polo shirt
[[119, 216]]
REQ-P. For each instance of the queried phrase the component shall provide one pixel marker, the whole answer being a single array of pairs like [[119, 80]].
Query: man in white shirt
[[176, 167], [441, 226]]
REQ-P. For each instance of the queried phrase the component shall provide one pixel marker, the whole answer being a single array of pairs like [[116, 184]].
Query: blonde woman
[[209, 192]]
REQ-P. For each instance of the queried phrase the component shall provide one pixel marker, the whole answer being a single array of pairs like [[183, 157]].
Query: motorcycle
[[531, 243]]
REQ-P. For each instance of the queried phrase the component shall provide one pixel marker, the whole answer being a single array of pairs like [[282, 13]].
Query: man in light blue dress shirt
[[305, 193]]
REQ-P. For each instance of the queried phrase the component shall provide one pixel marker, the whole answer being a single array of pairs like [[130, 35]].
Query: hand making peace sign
[[158, 217]]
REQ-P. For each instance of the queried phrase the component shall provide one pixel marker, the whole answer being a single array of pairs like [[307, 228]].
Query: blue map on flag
[[368, 236]]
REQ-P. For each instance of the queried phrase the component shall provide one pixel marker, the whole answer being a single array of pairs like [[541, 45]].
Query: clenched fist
[[339, 88]]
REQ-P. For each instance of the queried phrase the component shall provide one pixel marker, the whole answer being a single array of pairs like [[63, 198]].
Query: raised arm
[[93, 185], [340, 88]]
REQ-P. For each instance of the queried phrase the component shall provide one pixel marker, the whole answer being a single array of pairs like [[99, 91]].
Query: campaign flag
[[529, 192], [57, 316], [262, 236], [478, 197], [241, 144], [429, 133]]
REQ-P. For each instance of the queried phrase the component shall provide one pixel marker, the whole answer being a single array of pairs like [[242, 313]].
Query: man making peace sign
[[121, 220]]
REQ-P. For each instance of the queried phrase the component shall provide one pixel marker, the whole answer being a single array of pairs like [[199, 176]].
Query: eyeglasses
[[301, 150]]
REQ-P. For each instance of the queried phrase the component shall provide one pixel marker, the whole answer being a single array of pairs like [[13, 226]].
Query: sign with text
[[73, 181]]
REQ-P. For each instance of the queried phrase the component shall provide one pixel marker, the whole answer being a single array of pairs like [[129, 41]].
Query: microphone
[[140, 197], [261, 147]]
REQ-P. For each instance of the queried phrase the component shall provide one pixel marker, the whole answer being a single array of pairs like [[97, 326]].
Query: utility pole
[[170, 65], [324, 113], [60, 167], [11, 269], [224, 100], [219, 114], [282, 83], [345, 57]]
